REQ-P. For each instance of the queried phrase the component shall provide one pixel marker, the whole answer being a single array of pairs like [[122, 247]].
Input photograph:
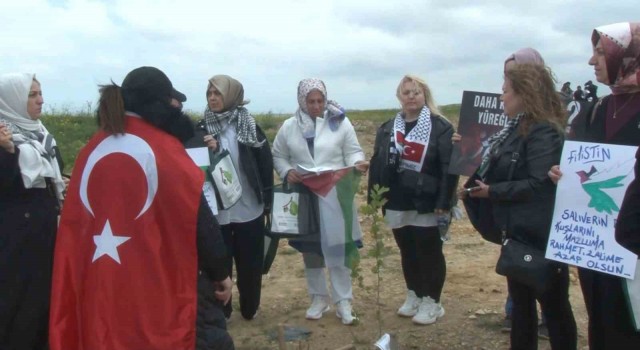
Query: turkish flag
[[125, 264], [412, 151]]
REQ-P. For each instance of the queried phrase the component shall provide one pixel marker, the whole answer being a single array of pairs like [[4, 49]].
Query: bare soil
[[473, 298]]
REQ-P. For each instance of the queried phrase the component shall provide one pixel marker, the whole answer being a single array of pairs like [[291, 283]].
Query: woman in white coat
[[320, 135]]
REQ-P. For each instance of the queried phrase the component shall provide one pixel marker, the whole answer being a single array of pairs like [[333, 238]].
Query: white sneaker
[[319, 305], [428, 312], [344, 312], [410, 306]]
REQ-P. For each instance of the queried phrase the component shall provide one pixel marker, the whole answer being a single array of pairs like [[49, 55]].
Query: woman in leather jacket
[[513, 175], [411, 158]]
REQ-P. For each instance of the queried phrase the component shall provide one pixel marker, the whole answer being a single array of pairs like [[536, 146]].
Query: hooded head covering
[[334, 112], [231, 90], [14, 97], [525, 55], [233, 112], [304, 89], [37, 160], [621, 45]]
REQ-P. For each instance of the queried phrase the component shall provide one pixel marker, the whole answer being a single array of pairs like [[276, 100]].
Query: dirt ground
[[473, 298]]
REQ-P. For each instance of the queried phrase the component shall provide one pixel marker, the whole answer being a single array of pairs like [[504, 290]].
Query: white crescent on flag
[[133, 146]]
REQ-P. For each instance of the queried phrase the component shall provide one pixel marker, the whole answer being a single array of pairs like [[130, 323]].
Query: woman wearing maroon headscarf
[[615, 120]]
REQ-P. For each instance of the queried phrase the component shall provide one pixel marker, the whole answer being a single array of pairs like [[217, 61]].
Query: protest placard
[[481, 115], [589, 194]]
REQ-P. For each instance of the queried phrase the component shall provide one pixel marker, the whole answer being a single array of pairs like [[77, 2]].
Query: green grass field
[[72, 131]]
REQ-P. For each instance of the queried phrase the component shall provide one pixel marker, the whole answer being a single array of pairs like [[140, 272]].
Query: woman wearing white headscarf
[[320, 135], [31, 188]]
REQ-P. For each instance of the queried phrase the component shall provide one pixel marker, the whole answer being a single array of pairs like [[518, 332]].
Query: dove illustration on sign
[[600, 200]]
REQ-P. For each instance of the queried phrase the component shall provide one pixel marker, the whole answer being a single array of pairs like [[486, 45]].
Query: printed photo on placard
[[481, 115]]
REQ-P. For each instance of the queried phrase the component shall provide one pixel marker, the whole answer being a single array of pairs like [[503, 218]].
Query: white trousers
[[340, 283]]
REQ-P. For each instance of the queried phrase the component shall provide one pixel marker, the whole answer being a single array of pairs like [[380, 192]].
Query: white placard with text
[[589, 195]]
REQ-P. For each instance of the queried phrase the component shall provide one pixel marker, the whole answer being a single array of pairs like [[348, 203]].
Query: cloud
[[361, 48]]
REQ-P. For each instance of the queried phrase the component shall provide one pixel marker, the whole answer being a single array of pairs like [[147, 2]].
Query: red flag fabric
[[323, 183], [413, 151], [125, 263]]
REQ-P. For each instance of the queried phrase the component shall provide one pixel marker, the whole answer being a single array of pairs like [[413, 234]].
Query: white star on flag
[[107, 244]]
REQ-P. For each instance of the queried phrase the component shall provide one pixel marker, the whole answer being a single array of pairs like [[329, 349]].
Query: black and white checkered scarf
[[495, 141], [419, 134], [239, 117]]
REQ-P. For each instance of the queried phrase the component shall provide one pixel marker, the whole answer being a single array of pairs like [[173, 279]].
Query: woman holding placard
[[320, 135], [614, 120], [231, 129]]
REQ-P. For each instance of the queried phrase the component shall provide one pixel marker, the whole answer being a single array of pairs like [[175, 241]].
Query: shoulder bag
[[480, 210], [522, 262], [294, 212], [225, 179], [527, 265]]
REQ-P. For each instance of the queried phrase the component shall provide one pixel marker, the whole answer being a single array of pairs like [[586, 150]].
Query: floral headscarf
[[621, 45], [333, 111]]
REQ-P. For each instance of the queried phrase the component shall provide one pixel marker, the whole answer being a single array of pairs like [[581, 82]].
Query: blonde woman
[[411, 157]]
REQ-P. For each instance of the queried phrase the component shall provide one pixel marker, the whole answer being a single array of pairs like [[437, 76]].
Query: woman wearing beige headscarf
[[228, 125]]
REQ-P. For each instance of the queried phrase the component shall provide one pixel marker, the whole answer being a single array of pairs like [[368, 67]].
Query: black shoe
[[543, 331]]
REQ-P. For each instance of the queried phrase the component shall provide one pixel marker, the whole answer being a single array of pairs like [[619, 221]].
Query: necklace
[[615, 107]]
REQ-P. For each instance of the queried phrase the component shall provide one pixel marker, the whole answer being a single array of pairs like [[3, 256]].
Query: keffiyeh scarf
[[495, 142], [413, 146], [239, 117]]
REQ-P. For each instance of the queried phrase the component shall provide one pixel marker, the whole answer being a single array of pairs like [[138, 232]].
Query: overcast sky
[[360, 48]]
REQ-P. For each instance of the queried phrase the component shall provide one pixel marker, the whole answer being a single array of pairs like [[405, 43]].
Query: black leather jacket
[[524, 205], [437, 187]]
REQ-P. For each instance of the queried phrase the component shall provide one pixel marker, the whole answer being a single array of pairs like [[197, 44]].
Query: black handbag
[[527, 265], [480, 213], [480, 210]]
